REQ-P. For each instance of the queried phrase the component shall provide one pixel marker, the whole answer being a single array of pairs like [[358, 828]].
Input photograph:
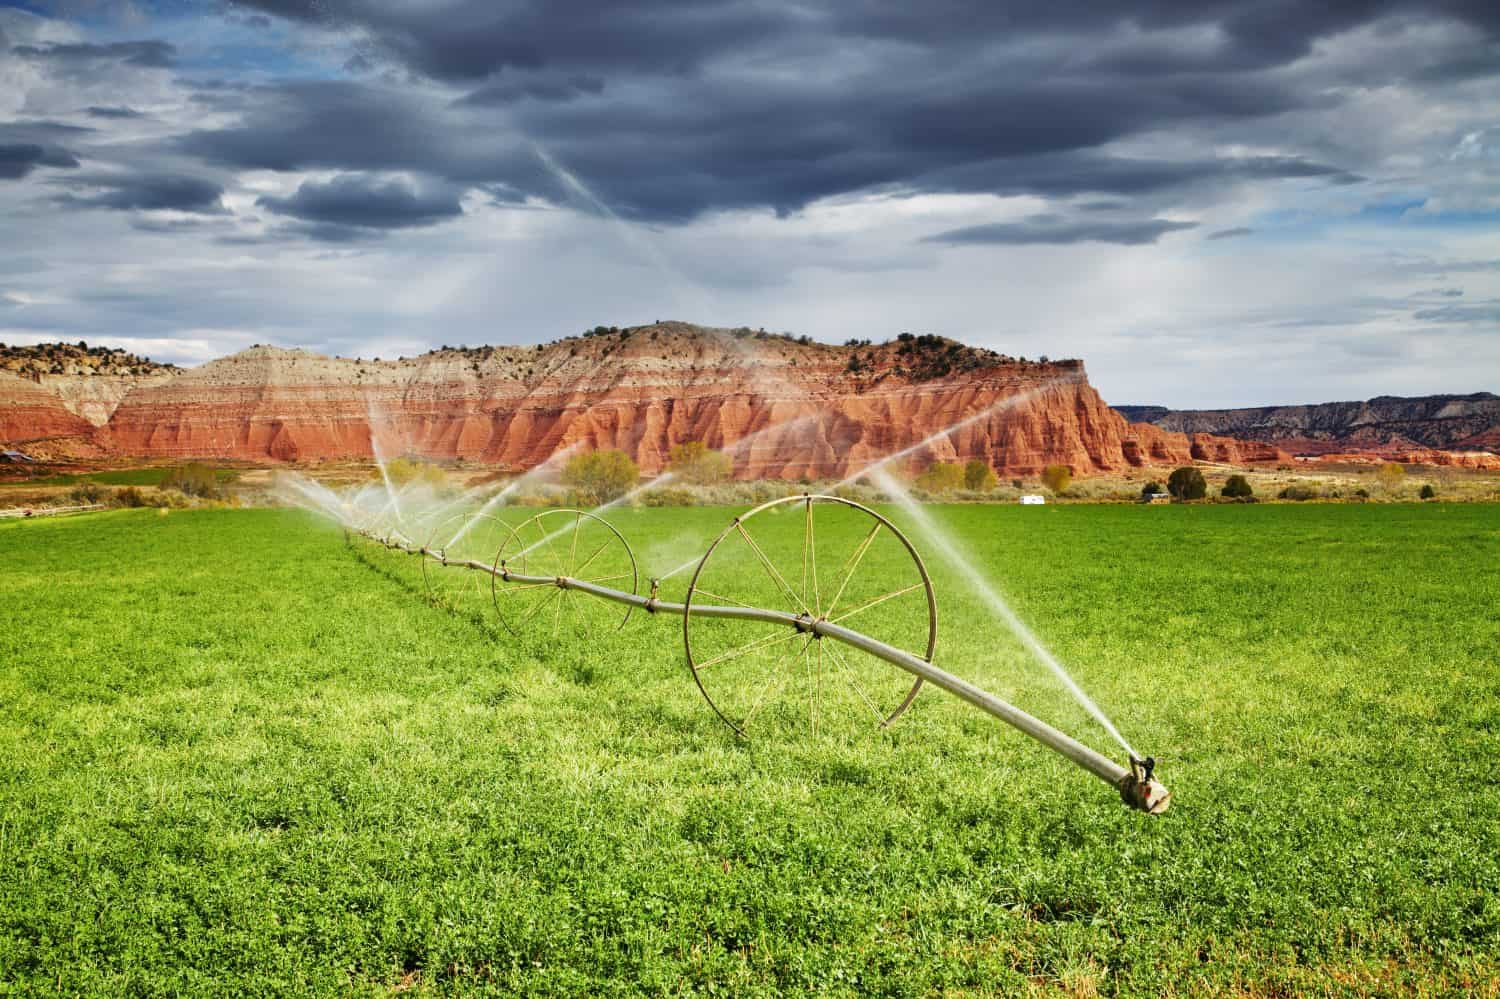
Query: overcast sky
[[1212, 202]]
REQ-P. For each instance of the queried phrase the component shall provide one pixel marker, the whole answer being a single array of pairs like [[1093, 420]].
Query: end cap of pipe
[[1147, 795]]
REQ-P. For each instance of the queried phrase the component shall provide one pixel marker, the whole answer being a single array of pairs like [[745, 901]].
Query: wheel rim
[[562, 542], [744, 668]]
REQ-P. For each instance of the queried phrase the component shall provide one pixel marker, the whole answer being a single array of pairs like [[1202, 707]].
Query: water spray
[[809, 625]]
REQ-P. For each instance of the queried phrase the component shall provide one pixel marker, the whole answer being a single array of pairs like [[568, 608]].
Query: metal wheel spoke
[[573, 548], [518, 587], [590, 560], [878, 600], [848, 673], [539, 605], [812, 546], [719, 596], [771, 569], [852, 563], [764, 699], [763, 642], [608, 579]]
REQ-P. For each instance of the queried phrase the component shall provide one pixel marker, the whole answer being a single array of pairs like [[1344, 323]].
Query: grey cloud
[[18, 160], [1438, 293], [112, 112], [508, 91], [1230, 233], [150, 192], [338, 209], [151, 53], [1478, 312], [1055, 229]]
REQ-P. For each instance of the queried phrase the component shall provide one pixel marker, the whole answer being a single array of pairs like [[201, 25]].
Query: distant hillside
[[1448, 422], [75, 359], [817, 410]]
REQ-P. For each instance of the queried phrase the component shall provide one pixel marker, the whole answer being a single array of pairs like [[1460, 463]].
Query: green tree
[[1237, 487], [1428, 492], [603, 475], [979, 476], [693, 462], [1187, 483], [1152, 488], [941, 477], [1057, 477]]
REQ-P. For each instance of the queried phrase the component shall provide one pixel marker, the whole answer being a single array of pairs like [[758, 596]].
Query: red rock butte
[[819, 411]]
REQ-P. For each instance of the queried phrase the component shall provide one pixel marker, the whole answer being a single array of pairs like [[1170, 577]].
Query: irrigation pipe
[[1135, 782]]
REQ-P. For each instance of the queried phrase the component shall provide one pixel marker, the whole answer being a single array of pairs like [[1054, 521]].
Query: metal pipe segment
[[1137, 788]]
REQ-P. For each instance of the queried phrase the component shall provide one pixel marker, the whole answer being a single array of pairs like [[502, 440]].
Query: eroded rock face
[[829, 410], [29, 411], [780, 407]]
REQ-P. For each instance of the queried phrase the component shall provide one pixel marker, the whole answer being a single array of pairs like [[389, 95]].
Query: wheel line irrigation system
[[1134, 782]]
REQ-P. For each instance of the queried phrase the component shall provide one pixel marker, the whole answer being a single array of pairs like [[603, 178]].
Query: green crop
[[239, 756]]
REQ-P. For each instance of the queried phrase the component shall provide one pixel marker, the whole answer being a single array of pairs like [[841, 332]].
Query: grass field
[[240, 757]]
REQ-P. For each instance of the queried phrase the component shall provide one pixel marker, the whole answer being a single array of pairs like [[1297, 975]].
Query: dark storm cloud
[[149, 192], [18, 160], [1230, 233], [150, 53], [113, 113], [1056, 229], [671, 109], [354, 202], [536, 88]]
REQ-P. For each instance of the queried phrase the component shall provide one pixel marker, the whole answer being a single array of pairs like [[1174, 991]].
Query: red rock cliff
[[830, 409]]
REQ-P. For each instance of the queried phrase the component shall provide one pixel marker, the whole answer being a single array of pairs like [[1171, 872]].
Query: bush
[[692, 462], [193, 480], [403, 471], [1187, 483], [1152, 488], [1298, 493], [1237, 487], [130, 496], [979, 476], [1428, 492], [604, 476], [1057, 477], [941, 477], [87, 494]]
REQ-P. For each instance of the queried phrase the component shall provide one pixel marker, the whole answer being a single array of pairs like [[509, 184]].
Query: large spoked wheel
[[820, 558], [451, 549], [562, 543]]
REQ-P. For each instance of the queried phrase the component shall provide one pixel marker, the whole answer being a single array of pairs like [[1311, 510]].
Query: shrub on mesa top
[[604, 476], [1187, 483], [694, 463]]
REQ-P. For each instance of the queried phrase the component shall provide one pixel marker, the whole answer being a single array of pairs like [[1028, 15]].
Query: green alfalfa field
[[239, 756]]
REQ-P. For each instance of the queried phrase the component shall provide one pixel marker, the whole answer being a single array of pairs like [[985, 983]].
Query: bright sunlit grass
[[237, 755]]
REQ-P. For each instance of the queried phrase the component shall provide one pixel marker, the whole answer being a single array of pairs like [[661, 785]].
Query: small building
[[1157, 498], [1033, 499]]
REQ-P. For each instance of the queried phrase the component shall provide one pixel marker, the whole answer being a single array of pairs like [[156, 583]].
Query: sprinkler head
[[1141, 791]]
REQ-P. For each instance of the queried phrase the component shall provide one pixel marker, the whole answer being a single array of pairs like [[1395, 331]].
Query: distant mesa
[[640, 389], [1386, 425]]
